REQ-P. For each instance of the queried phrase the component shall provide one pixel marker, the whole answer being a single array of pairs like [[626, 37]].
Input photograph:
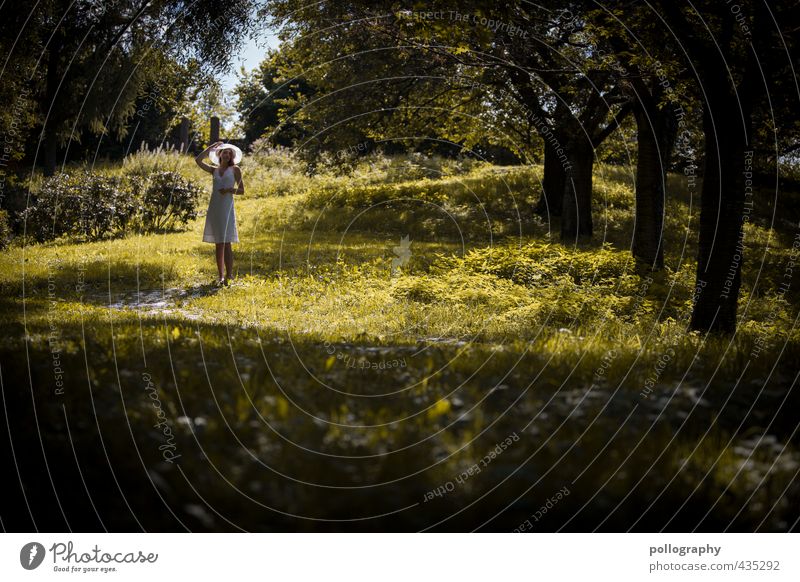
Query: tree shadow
[[272, 435]]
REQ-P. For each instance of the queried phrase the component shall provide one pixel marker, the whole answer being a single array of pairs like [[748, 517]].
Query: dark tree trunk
[[49, 107], [655, 138], [552, 183], [729, 79], [576, 218], [720, 256]]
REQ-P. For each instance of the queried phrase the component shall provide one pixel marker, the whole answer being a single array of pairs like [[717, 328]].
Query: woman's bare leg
[[220, 256], [228, 261]]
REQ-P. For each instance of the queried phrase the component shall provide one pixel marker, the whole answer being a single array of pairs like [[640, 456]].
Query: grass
[[324, 364]]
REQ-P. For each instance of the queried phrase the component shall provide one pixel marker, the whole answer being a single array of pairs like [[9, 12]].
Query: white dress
[[221, 217]]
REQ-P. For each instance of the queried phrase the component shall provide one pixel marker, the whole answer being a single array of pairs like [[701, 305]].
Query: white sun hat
[[213, 155]]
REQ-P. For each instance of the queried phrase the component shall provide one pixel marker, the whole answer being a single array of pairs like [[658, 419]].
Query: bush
[[166, 200], [95, 206], [377, 167], [537, 264], [81, 204], [274, 171], [5, 229], [462, 288]]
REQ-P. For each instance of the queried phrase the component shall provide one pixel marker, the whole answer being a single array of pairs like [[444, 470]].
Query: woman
[[220, 226]]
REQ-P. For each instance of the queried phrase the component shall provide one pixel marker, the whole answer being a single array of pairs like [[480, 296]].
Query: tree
[[93, 50], [205, 100], [650, 71], [740, 56], [268, 98], [552, 75]]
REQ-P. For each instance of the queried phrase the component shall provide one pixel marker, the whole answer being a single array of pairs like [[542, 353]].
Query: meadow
[[389, 328]]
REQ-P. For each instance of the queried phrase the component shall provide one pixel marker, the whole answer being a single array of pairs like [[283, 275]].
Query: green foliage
[[525, 287], [5, 229], [274, 158], [167, 201], [485, 202], [145, 161], [268, 98], [515, 326], [274, 171], [81, 204], [539, 263], [620, 147], [93, 205], [98, 50], [376, 167], [463, 289], [176, 90]]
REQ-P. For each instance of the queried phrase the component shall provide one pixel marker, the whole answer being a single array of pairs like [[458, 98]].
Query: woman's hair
[[233, 156]]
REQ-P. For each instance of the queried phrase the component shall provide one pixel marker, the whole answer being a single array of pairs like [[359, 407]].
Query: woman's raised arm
[[199, 160]]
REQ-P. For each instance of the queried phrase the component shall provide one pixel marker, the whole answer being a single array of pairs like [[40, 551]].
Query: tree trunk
[[552, 183], [50, 108], [720, 256], [576, 218], [728, 79], [655, 138]]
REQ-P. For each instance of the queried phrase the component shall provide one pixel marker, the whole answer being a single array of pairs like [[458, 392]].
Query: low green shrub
[[81, 204], [274, 158], [94, 206], [467, 289], [539, 263], [5, 229], [166, 200], [378, 167]]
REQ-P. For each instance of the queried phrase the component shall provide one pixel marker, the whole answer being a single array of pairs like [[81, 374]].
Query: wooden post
[[214, 129], [184, 135]]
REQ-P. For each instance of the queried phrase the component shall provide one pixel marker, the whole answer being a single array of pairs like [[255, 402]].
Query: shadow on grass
[[171, 425]]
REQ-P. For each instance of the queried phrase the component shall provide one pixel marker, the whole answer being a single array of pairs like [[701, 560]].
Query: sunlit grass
[[328, 282], [493, 307]]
